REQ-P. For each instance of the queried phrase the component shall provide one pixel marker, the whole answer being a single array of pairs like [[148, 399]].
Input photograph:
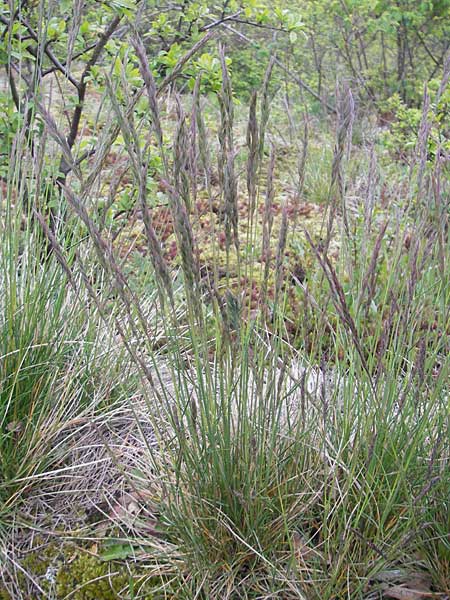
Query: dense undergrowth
[[242, 312]]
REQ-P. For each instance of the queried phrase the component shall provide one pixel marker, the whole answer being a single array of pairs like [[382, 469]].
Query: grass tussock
[[295, 379]]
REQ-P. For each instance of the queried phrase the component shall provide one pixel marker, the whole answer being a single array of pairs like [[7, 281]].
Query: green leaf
[[118, 552], [85, 27]]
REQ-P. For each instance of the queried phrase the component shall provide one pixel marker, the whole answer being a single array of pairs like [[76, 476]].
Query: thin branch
[[74, 57], [295, 78], [83, 83], [13, 86], [220, 21], [47, 50], [254, 24]]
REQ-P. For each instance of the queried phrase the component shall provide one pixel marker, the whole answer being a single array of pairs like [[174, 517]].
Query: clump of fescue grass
[[268, 488], [271, 489], [54, 340]]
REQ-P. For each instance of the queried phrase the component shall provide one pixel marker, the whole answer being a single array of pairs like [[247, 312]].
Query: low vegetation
[[225, 302]]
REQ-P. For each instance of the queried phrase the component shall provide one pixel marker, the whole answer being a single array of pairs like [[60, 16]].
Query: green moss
[[92, 579], [61, 571]]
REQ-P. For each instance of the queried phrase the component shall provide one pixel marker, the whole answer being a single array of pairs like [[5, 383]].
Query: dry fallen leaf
[[301, 549], [417, 588], [93, 549]]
